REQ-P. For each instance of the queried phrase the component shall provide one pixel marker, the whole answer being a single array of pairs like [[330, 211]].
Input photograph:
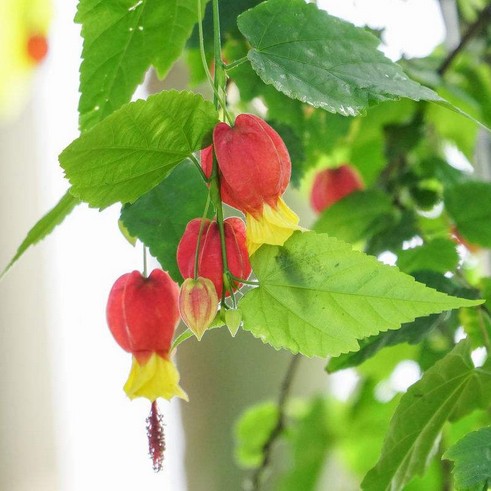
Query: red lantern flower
[[210, 263], [331, 185], [255, 170], [142, 314]]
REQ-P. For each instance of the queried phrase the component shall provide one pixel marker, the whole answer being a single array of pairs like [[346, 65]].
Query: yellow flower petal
[[157, 377], [273, 227]]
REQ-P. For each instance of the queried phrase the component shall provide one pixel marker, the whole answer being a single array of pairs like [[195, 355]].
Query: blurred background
[[65, 423]]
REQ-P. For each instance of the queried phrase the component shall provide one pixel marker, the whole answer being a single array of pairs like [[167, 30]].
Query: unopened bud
[[233, 319], [198, 304]]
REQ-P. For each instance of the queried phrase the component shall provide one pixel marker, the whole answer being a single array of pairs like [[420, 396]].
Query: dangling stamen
[[156, 437]]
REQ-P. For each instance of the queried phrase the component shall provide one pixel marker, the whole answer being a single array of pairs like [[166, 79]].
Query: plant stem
[[181, 338], [280, 423], [145, 260], [200, 233], [235, 63], [483, 18], [200, 169], [246, 282]]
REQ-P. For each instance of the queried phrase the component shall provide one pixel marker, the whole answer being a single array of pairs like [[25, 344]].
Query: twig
[[474, 29], [280, 424]]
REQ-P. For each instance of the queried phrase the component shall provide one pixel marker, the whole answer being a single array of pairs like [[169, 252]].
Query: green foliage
[[449, 390], [45, 226], [136, 147], [472, 458], [310, 439], [159, 217], [357, 216], [122, 39], [324, 61], [468, 204], [252, 430], [438, 255], [319, 297]]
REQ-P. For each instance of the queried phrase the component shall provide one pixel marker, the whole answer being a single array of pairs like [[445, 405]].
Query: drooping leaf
[[136, 147], [357, 216], [472, 459], [252, 431], [122, 39], [322, 60], [469, 205], [439, 255], [159, 217], [319, 297], [309, 432], [449, 390], [45, 226], [477, 325]]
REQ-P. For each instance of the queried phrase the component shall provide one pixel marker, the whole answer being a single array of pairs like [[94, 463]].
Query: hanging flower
[[255, 170], [331, 185], [142, 314], [210, 263]]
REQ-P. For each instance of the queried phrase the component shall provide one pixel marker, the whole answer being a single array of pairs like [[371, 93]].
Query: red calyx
[[331, 185], [210, 253], [253, 161], [143, 313]]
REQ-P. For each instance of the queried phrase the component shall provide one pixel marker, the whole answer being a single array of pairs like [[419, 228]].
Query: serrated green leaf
[[472, 458], [319, 297], [449, 390], [252, 430], [469, 204], [136, 147], [45, 226], [159, 217], [439, 255], [357, 216], [411, 333], [322, 60], [122, 39]]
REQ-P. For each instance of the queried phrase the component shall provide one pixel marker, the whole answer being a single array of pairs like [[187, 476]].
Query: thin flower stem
[[200, 169], [235, 63], [200, 233], [276, 432], [246, 282], [145, 261], [218, 65]]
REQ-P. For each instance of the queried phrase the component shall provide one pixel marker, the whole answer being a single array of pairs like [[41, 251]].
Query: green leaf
[[439, 255], [252, 431], [472, 457], [122, 39], [136, 147], [322, 60], [310, 432], [357, 216], [449, 390], [412, 333], [159, 217], [45, 226], [318, 297], [468, 204]]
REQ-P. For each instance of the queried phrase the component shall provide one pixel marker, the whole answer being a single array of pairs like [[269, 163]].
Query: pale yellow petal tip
[[158, 377], [275, 226]]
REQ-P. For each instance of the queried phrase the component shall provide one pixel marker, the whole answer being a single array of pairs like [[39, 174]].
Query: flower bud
[[233, 320], [142, 314], [331, 185], [198, 304], [254, 169], [210, 263]]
